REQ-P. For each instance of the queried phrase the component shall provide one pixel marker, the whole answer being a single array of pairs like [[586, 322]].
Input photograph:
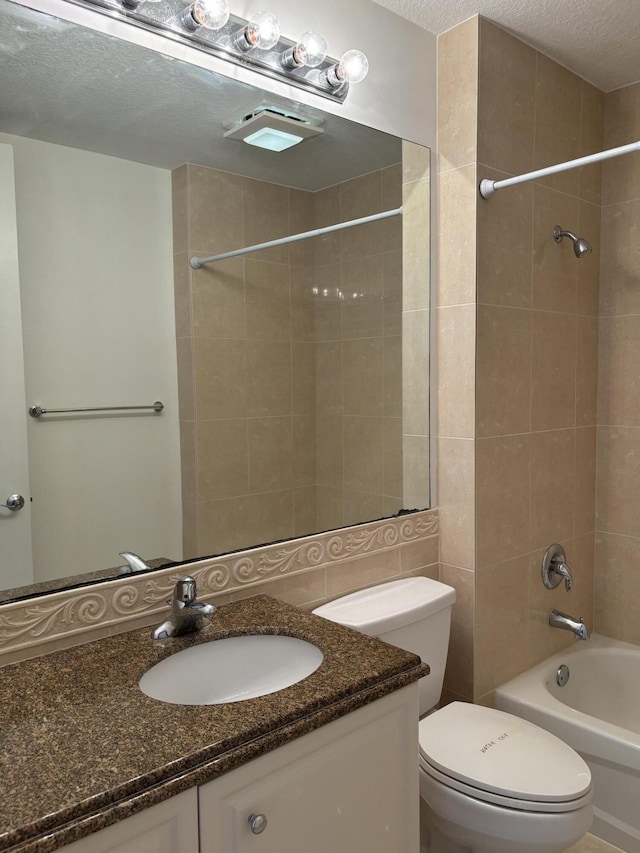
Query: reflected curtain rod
[[196, 263], [488, 187]]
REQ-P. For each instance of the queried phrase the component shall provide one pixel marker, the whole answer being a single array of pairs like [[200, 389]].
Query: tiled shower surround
[[538, 355], [292, 361], [289, 359]]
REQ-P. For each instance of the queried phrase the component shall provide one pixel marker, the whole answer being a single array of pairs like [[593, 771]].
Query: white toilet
[[489, 782]]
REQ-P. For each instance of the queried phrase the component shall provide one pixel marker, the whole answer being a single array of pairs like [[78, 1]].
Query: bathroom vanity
[[92, 764]]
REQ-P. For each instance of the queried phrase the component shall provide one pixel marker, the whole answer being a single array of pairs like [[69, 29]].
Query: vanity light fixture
[[262, 32], [210, 14], [310, 50], [257, 43]]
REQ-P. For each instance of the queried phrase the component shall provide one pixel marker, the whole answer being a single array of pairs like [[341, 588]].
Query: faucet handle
[[554, 568], [185, 590]]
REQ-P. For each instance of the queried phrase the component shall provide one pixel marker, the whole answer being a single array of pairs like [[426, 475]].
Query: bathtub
[[598, 714]]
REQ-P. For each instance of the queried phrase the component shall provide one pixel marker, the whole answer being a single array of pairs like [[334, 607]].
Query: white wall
[[96, 276]]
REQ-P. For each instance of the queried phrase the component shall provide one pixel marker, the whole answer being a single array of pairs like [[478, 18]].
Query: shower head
[[581, 247]]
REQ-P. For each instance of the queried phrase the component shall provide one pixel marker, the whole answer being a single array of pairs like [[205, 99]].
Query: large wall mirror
[[294, 380]]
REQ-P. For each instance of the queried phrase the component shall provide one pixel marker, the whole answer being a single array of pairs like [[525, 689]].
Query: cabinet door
[[169, 827], [349, 786]]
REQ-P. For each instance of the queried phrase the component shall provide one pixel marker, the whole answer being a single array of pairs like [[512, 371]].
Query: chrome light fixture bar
[[256, 43]]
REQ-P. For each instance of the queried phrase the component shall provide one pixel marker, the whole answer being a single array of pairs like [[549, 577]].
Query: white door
[[16, 563]]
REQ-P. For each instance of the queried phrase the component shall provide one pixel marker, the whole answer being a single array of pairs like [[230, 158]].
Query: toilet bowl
[[489, 781]]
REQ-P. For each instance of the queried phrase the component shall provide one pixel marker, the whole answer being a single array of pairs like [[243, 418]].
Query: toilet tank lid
[[388, 606]]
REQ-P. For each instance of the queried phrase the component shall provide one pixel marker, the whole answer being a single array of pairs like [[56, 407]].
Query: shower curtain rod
[[488, 187], [196, 263]]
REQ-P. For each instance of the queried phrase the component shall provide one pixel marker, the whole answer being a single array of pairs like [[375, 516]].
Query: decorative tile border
[[37, 625]]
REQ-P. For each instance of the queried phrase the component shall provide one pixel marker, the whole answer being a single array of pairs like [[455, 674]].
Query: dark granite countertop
[[83, 747]]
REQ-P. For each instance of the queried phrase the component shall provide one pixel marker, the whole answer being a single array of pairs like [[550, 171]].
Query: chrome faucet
[[554, 568], [569, 623], [187, 614], [134, 563]]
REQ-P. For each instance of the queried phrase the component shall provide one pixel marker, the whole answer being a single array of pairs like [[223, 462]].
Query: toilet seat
[[497, 758]]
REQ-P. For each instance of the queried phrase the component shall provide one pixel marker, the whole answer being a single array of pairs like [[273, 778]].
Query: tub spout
[[569, 623]]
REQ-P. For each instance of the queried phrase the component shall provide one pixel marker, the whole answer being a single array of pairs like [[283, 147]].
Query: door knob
[[257, 823], [14, 502]]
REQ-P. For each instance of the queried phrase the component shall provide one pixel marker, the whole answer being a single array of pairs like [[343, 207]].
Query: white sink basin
[[231, 669]]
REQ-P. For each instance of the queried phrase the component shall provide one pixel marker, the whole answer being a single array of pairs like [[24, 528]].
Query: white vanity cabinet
[[351, 785], [169, 827]]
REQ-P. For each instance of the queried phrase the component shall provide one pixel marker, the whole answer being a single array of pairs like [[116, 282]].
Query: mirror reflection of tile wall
[[290, 360]]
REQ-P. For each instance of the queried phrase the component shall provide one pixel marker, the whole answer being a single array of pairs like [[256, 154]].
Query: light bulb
[[262, 31], [210, 14], [355, 65], [310, 50]]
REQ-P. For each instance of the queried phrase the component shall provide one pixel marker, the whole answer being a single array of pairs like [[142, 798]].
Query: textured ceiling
[[598, 39]]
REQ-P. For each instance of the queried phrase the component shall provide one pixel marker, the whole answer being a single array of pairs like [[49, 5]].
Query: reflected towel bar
[[196, 263], [488, 187], [36, 411]]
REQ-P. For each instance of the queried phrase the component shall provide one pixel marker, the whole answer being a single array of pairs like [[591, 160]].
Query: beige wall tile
[[585, 499], [329, 377], [555, 266], [363, 377], [328, 305], [392, 378], [503, 371], [298, 590], [189, 530], [363, 454], [179, 207], [592, 139], [620, 259], [215, 208], [270, 516], [586, 370], [270, 454], [392, 457], [582, 555], [329, 506], [619, 373], [361, 197], [222, 459], [329, 450], [303, 303], [553, 371], [268, 378], [186, 390], [459, 672], [218, 300], [361, 572], [416, 161], [502, 498], [301, 219], [305, 511], [182, 294], [501, 639], [621, 175], [362, 314], [392, 274], [552, 487], [303, 378], [222, 525], [456, 373], [326, 211], [505, 245], [617, 587], [456, 500], [587, 294], [268, 300], [558, 105], [415, 226], [458, 95], [265, 216], [507, 76], [188, 460], [220, 378], [456, 238], [415, 372], [304, 450], [415, 476], [361, 506], [417, 555], [618, 507]]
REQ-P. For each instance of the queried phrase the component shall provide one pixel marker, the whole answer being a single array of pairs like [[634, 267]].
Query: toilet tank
[[412, 613]]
